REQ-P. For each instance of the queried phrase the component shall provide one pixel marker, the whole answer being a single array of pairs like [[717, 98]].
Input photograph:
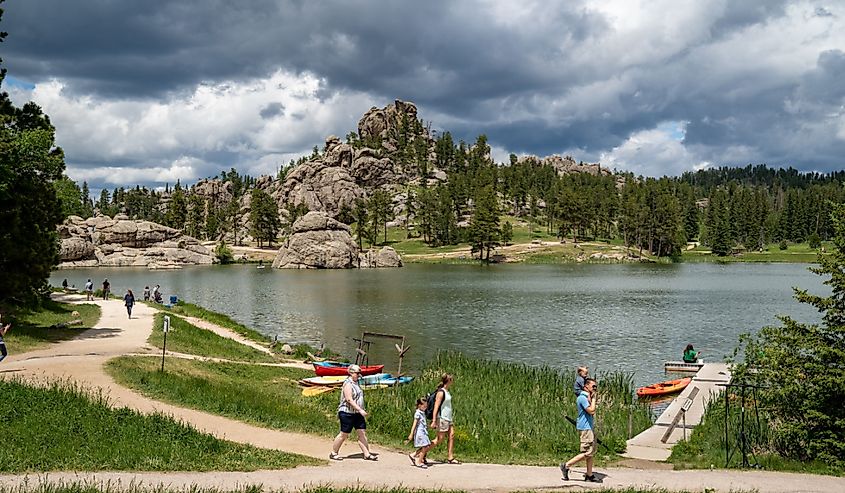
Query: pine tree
[[484, 233]]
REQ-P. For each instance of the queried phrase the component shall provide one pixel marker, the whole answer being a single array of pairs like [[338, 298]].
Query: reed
[[504, 412], [62, 426], [188, 338]]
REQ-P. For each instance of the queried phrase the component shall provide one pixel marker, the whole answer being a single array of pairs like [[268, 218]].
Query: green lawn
[[64, 428], [31, 328], [196, 311], [795, 252], [505, 413], [187, 338]]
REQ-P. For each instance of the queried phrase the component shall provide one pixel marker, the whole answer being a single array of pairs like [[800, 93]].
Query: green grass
[[64, 427], [706, 445], [196, 311], [31, 328], [184, 337], [795, 252], [505, 413]]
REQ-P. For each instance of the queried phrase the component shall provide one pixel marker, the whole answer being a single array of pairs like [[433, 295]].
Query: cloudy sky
[[151, 92]]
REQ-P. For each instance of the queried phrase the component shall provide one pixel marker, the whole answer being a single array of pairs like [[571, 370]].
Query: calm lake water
[[610, 317]]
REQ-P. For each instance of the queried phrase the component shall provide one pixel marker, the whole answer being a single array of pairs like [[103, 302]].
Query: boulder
[[76, 248], [386, 257], [318, 242]]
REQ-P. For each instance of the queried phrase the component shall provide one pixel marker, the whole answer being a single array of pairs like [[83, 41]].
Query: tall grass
[[31, 328], [64, 427], [706, 445], [192, 310], [188, 338], [504, 413]]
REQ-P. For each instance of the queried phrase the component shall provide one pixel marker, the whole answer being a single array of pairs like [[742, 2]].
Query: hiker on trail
[[64, 284], [106, 288], [351, 414], [580, 377], [157, 294], [146, 293], [89, 290], [129, 301], [3, 330], [419, 434], [690, 354], [441, 417], [586, 404]]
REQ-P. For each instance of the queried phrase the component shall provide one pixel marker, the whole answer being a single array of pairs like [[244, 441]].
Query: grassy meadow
[[33, 328], [196, 311], [184, 337], [63, 427], [505, 413]]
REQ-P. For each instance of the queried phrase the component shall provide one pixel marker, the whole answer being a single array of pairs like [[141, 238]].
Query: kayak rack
[[362, 351]]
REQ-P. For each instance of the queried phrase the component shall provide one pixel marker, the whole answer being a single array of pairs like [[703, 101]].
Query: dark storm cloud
[[537, 78]]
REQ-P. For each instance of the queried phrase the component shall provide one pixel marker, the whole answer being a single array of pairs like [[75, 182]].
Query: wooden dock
[[650, 444]]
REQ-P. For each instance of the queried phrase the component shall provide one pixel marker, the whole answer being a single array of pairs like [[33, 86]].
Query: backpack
[[430, 399]]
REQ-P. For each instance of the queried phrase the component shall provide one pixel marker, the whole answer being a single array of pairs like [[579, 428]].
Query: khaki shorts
[[443, 425], [588, 443]]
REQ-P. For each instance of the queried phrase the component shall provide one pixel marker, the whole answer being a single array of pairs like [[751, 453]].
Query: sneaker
[[592, 478], [334, 456], [565, 471]]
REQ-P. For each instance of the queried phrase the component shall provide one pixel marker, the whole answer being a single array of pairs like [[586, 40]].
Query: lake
[[628, 317]]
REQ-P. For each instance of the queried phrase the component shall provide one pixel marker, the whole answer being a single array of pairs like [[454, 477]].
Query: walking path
[[709, 381], [82, 359]]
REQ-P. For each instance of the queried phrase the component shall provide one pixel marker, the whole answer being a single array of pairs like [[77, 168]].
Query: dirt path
[[82, 360]]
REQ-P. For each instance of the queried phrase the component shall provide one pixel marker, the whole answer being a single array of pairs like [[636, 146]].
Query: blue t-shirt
[[585, 419]]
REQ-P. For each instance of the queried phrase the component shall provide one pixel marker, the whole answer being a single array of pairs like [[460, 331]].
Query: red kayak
[[333, 369], [663, 388]]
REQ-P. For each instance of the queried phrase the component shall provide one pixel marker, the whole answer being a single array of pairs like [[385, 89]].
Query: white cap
[[353, 369]]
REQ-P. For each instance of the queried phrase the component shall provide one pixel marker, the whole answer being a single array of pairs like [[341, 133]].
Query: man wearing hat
[[351, 414]]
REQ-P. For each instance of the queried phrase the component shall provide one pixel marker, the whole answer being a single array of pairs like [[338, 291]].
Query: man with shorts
[[586, 404]]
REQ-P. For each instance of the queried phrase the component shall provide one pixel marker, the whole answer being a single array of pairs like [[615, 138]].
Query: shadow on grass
[[37, 327]]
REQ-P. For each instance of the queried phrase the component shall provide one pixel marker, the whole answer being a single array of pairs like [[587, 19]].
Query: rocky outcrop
[[566, 165], [121, 242], [386, 257], [319, 242]]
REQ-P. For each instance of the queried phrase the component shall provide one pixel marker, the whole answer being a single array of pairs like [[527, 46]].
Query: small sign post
[[165, 329]]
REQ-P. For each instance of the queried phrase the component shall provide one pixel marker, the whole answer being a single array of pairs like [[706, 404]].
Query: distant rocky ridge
[[319, 242], [101, 241]]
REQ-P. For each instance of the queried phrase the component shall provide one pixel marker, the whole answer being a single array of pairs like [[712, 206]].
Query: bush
[[223, 254], [814, 241], [782, 245]]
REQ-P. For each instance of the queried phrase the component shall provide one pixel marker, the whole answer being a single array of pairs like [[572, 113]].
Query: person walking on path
[[586, 404], [580, 377], [3, 330], [442, 418], [351, 414], [419, 434], [129, 301], [89, 290], [106, 288]]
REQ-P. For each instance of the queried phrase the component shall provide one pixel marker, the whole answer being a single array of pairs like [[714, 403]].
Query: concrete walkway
[[648, 445]]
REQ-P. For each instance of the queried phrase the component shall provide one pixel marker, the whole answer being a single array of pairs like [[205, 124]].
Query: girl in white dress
[[419, 433]]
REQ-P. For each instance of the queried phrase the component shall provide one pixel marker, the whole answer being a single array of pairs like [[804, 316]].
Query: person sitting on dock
[[690, 354], [580, 376]]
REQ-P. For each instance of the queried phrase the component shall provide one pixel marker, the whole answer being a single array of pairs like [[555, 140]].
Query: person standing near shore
[[442, 418], [129, 301], [3, 330], [351, 414], [146, 293], [586, 404], [89, 290], [64, 284], [106, 288]]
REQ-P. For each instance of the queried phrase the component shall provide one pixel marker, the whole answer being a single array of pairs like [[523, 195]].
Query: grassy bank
[[794, 253], [505, 413], [188, 338], [706, 445], [63, 427], [196, 311], [35, 328]]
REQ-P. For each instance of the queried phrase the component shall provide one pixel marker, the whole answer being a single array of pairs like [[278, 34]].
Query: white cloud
[[654, 152]]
